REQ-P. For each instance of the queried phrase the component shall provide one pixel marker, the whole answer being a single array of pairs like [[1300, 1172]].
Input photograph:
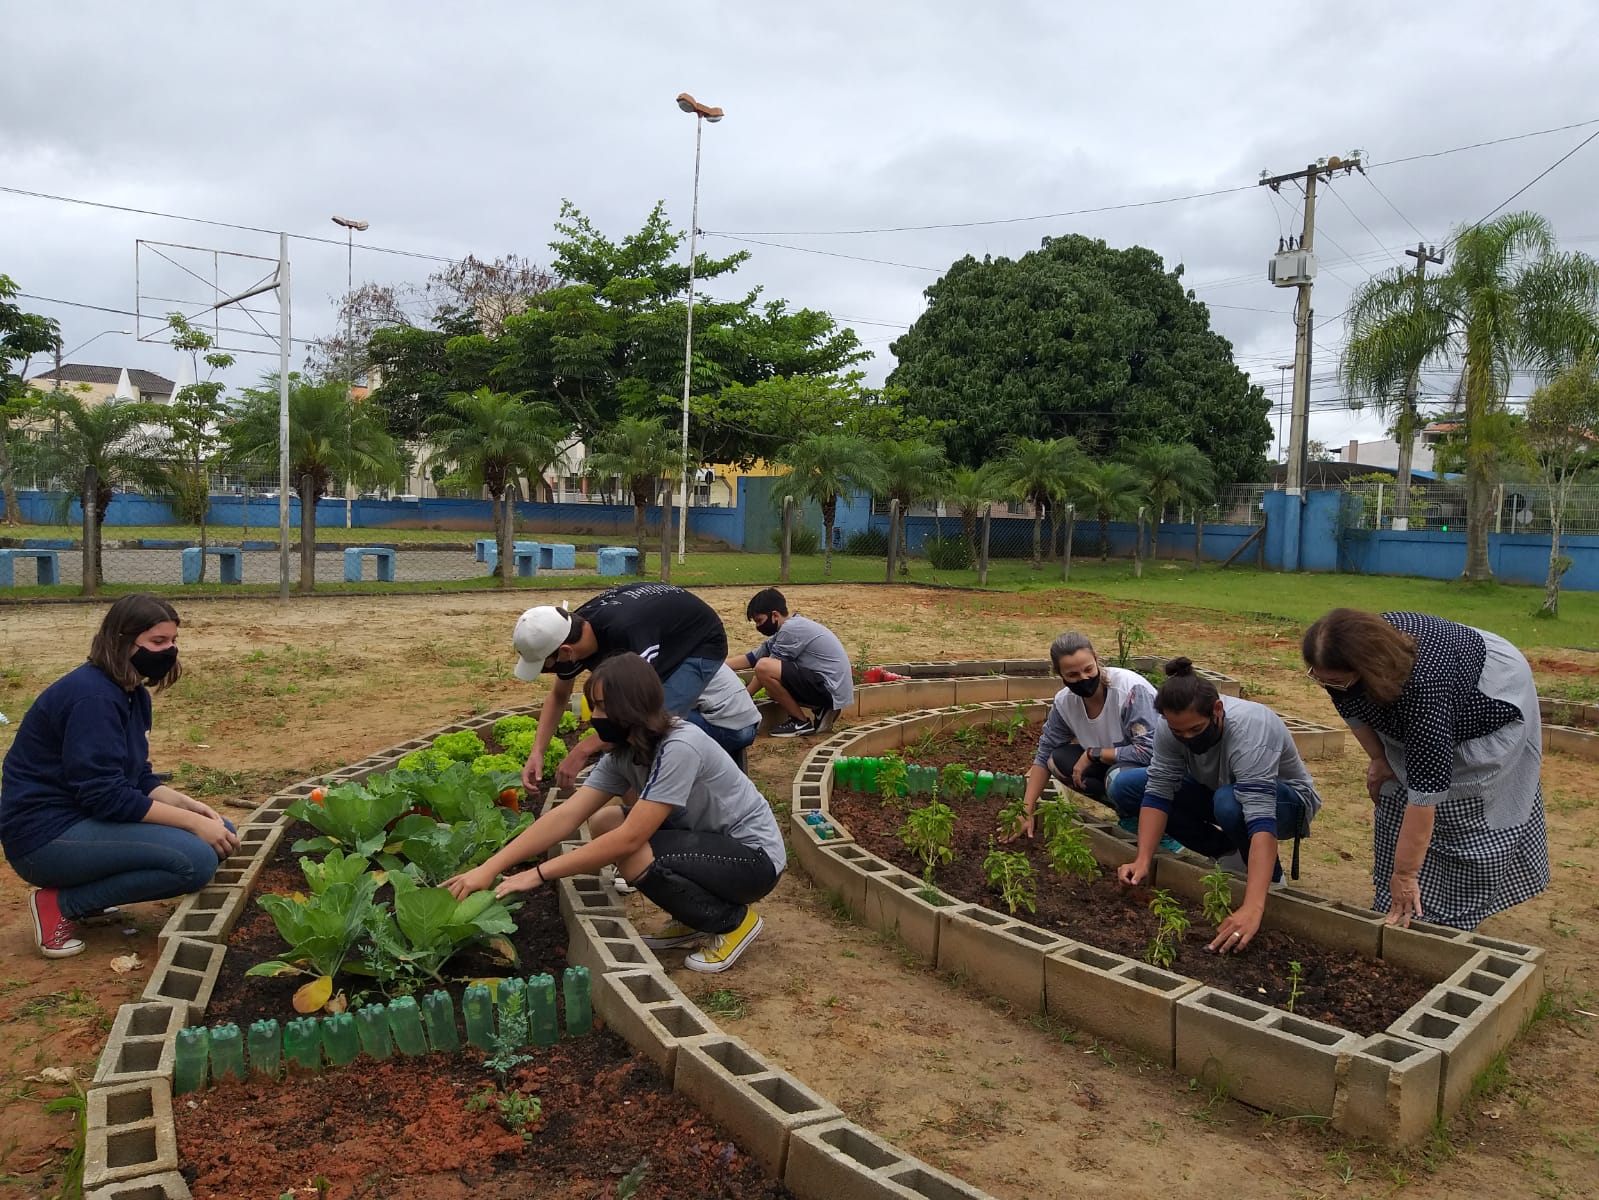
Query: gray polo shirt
[[814, 646], [726, 702], [705, 790]]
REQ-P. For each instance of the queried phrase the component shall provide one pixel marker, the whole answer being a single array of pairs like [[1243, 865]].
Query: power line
[[128, 312], [1367, 177], [1336, 195], [828, 253], [1515, 137], [1537, 177]]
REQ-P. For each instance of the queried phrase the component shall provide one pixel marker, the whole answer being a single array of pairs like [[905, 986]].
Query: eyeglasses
[[1333, 687]]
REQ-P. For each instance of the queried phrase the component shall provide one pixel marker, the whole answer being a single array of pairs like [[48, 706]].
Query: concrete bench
[[557, 556], [524, 558], [230, 563], [482, 548], [354, 555], [47, 564], [617, 560]]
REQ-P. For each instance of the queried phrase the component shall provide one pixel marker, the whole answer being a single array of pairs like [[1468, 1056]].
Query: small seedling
[[1172, 924], [893, 780], [1296, 974], [1016, 726], [1217, 903], [518, 1113], [929, 833], [1012, 817], [1012, 874], [926, 744], [507, 1055], [952, 783], [1130, 635], [1064, 840], [968, 737], [633, 1180]]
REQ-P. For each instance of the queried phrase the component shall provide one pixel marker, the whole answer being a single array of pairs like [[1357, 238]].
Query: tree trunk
[[13, 510], [504, 537], [1479, 517], [1154, 535], [307, 534], [1104, 536], [102, 505], [904, 544], [1038, 525], [666, 533], [1138, 546], [829, 514], [205, 504], [1557, 514], [969, 530], [1405, 434], [1066, 543], [1199, 535], [1479, 459], [640, 529]]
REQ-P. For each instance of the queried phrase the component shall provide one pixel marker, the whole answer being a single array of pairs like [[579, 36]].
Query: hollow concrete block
[[843, 868], [894, 905], [805, 844], [1511, 985], [208, 915], [650, 1014], [1461, 1025], [586, 896], [1326, 923], [141, 1043], [1390, 1093], [185, 975], [1262, 1056], [129, 1132], [759, 1106], [604, 944], [1434, 952], [838, 1160], [1031, 688], [168, 1185], [1115, 997], [1003, 956], [981, 690]]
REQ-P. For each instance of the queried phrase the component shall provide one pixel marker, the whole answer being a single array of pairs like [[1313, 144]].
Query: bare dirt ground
[[275, 694]]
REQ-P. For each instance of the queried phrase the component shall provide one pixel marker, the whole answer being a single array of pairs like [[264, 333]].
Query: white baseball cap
[[539, 633]]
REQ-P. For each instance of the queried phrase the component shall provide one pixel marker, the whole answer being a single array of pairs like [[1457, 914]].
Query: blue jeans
[[684, 685], [1124, 793], [731, 740], [96, 864], [1212, 822]]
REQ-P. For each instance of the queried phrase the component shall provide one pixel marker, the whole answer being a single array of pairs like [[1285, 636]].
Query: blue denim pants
[[96, 864], [684, 685], [1212, 822]]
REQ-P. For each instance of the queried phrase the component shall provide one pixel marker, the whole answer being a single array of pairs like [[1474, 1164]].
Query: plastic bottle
[[511, 1000], [266, 1047], [869, 775], [438, 1013], [840, 772], [541, 1010], [579, 1006], [340, 1042], [302, 1043], [405, 1023], [478, 1007], [372, 1024], [982, 785], [227, 1053], [189, 1059]]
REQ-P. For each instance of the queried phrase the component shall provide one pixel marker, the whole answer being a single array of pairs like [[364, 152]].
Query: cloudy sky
[[459, 129]]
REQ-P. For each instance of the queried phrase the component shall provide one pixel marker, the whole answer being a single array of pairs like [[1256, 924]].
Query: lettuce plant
[[426, 759], [505, 727], [463, 745], [427, 928]]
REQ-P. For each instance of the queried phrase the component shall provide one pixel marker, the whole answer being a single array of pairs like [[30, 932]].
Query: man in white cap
[[674, 630]]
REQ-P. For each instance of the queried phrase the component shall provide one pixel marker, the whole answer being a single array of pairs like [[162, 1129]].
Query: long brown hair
[[124, 623], [1362, 643], [631, 694]]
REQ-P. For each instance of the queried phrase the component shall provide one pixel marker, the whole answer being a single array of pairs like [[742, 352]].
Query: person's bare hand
[[1378, 772]]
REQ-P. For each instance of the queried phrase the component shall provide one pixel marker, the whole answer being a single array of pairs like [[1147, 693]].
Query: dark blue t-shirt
[[82, 750]]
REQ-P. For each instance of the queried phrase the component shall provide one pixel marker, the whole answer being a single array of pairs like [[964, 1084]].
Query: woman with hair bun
[[1227, 781], [1449, 717]]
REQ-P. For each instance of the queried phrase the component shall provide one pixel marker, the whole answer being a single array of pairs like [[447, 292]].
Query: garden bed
[[1364, 995]]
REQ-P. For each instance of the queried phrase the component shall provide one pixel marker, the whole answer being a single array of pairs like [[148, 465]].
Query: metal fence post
[[91, 547], [788, 538], [982, 553], [1066, 547], [666, 531], [894, 518], [1138, 545]]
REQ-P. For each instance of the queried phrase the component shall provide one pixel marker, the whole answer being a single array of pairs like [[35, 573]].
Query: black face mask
[[613, 733], [154, 665], [1203, 740], [766, 627], [1085, 688]]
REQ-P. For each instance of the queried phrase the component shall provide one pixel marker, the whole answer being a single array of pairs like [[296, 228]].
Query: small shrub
[[801, 540], [1130, 635], [929, 833], [893, 780], [1217, 903], [1173, 923], [1013, 816], [949, 553], [1012, 874], [867, 543], [1064, 840], [952, 783]]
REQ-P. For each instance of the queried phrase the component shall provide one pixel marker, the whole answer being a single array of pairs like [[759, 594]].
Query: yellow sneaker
[[720, 952], [675, 933]]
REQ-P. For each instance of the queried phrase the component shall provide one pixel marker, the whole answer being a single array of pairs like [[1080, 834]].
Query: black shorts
[[806, 686]]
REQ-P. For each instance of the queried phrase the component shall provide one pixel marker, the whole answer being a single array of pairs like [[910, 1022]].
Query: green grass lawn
[[331, 532]]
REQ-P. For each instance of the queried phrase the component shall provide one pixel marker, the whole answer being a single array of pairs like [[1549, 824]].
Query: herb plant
[[1172, 924], [893, 781], [1013, 816], [1217, 902], [929, 833], [1130, 635], [1064, 840], [1296, 974], [518, 1113], [463, 745], [1012, 874], [952, 784]]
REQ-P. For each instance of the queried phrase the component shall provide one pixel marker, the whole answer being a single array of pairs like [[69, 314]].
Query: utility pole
[[1295, 266], [1405, 427]]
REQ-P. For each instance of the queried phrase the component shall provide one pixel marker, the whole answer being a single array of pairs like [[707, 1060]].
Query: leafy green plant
[[952, 784], [350, 818], [568, 722], [630, 1183], [553, 754], [431, 851], [519, 745], [929, 833], [72, 1165], [321, 930], [335, 867], [505, 727], [510, 1035], [426, 759], [1296, 973], [427, 928], [1217, 902], [1172, 923], [1064, 840], [1012, 874], [967, 737], [1012, 817], [518, 1113], [500, 764], [1130, 635], [867, 543], [463, 745], [893, 781], [926, 744], [1015, 726]]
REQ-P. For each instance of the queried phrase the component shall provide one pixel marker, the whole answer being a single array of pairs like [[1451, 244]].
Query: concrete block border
[[141, 1043], [168, 1185], [129, 1132]]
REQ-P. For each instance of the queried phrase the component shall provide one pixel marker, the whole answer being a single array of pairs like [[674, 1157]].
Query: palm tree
[[1173, 473], [111, 437], [912, 471], [497, 441], [971, 491], [1039, 471], [824, 466], [1111, 492], [1509, 301], [641, 453], [331, 436]]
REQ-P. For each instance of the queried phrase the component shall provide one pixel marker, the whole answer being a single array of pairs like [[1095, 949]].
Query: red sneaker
[[53, 931]]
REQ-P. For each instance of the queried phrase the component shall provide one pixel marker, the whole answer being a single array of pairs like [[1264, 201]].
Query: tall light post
[[702, 113], [1282, 407], [63, 355], [350, 226]]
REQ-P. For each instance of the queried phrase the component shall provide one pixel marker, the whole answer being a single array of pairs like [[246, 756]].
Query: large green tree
[[641, 453], [192, 444], [331, 436], [913, 471], [1079, 339], [22, 335], [1110, 491], [1508, 300], [822, 467]]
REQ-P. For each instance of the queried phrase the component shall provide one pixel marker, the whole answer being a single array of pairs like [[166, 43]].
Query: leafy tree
[[1111, 492], [493, 440], [1317, 451], [972, 490], [1079, 339], [640, 453], [1172, 475], [824, 466], [1508, 301], [331, 436], [1561, 427], [1039, 471], [22, 335], [912, 471], [193, 421]]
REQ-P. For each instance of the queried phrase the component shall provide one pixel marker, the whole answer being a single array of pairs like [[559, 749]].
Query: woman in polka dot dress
[[1449, 716]]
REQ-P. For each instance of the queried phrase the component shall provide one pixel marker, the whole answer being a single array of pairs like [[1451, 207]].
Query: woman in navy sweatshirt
[[82, 817]]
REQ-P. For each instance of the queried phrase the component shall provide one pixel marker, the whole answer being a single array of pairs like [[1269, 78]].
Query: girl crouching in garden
[[692, 834]]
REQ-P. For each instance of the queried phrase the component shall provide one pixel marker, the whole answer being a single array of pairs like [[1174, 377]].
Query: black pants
[[705, 880], [1065, 758]]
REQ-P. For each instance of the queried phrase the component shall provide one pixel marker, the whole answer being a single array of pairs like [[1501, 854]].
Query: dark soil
[[986, 747], [1361, 994]]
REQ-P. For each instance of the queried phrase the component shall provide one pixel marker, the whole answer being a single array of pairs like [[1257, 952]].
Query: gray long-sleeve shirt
[[1127, 721], [814, 646]]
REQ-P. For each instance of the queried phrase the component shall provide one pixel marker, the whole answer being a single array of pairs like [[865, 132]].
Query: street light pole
[[702, 113], [1281, 401], [350, 226]]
